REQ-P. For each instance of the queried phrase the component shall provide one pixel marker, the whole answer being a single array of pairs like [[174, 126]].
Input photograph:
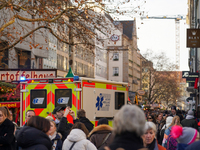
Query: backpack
[[171, 143]]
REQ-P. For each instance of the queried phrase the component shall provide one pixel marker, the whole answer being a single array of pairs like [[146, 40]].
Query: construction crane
[[177, 34]]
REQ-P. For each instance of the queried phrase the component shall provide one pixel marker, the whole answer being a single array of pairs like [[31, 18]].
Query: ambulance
[[99, 98]]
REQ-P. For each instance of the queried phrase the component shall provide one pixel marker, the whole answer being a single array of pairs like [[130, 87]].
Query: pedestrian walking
[[54, 136], [35, 136], [189, 121], [149, 138], [7, 139], [184, 135], [129, 126], [101, 135], [77, 139]]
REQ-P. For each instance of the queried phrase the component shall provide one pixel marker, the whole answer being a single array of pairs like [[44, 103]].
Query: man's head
[[29, 114], [58, 112], [81, 113], [173, 110]]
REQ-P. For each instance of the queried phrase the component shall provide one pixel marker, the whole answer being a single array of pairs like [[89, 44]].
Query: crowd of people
[[134, 129]]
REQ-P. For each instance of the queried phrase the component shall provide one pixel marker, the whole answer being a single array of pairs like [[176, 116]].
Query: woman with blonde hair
[[175, 121], [54, 135]]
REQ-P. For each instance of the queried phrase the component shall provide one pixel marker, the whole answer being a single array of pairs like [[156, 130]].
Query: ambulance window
[[119, 100], [38, 98], [63, 97]]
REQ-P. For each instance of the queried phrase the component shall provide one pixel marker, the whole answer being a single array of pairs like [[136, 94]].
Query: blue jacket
[[59, 142], [181, 146], [193, 146]]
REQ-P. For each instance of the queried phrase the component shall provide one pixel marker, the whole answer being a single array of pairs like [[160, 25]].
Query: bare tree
[[160, 80]]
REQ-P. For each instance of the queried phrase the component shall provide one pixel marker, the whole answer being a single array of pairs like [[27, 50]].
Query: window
[[115, 56], [38, 98], [119, 100], [115, 71], [63, 97]]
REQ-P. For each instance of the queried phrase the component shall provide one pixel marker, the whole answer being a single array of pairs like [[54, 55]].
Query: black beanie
[[103, 121]]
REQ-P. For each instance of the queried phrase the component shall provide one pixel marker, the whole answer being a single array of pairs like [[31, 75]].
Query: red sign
[[10, 104], [11, 75]]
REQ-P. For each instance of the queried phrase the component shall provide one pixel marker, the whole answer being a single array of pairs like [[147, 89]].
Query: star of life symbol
[[39, 100], [99, 103]]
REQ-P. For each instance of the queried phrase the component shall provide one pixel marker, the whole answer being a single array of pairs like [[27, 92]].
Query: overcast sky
[[159, 34]]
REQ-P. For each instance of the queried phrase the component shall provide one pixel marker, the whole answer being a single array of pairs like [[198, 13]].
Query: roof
[[128, 28]]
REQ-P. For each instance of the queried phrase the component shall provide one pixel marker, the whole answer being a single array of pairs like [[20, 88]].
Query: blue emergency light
[[76, 78], [22, 78]]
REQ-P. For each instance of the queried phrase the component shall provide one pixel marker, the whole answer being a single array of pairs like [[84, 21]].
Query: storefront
[[10, 87]]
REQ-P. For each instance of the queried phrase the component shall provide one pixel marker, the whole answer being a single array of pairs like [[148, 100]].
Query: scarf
[[153, 145], [53, 136]]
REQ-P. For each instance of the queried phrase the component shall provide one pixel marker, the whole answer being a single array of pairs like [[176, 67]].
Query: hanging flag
[[196, 83]]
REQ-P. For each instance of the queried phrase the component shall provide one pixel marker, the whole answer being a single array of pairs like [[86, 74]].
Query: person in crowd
[[151, 118], [175, 121], [159, 124], [162, 132], [179, 113], [77, 139], [35, 136], [149, 138], [28, 115], [58, 113], [129, 126], [189, 121], [64, 126], [173, 111], [7, 139], [101, 135], [81, 114], [53, 135], [184, 135]]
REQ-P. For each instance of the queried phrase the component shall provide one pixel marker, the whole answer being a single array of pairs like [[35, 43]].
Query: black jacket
[[190, 123], [30, 138], [127, 141], [64, 128], [86, 122], [7, 139]]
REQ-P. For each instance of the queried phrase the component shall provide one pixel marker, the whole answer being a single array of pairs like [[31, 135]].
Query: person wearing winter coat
[[63, 126], [184, 135], [77, 139], [129, 123], [54, 136], [101, 135], [7, 139], [81, 114], [149, 138], [34, 136], [189, 121]]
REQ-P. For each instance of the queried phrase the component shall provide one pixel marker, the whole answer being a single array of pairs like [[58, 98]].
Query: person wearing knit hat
[[184, 135], [189, 121]]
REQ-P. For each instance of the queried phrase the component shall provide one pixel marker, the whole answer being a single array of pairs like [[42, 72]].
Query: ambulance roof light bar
[[22, 78]]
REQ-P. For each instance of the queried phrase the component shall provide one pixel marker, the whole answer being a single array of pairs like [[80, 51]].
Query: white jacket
[[78, 136]]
